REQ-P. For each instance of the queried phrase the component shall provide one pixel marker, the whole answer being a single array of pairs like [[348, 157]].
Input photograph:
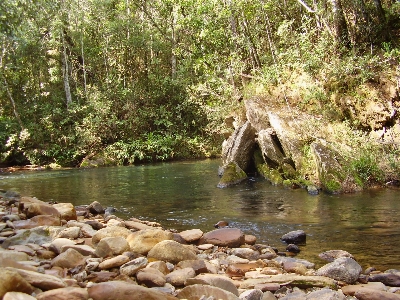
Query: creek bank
[[58, 251]]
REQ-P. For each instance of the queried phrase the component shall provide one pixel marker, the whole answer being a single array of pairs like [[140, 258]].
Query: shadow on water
[[183, 195]]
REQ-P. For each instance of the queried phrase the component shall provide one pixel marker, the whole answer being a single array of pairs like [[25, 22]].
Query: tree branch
[[306, 6]]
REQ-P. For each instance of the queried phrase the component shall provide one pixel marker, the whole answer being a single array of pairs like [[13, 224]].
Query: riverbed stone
[[11, 281], [38, 235], [132, 267], [246, 253], [111, 231], [178, 277], [66, 210], [36, 221], [110, 246], [113, 262], [198, 291], [160, 266], [13, 255], [151, 277], [57, 244], [85, 250], [252, 294], [18, 296], [102, 276], [294, 267], [217, 280], [372, 294], [331, 255], [389, 279], [119, 290], [326, 294], [191, 235], [39, 280], [171, 251], [67, 293], [294, 237], [68, 259], [70, 233], [96, 208], [198, 265], [32, 209], [283, 259], [224, 237], [144, 240], [87, 231], [344, 269], [352, 289]]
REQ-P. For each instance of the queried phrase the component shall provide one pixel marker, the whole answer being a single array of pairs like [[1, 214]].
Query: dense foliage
[[142, 80]]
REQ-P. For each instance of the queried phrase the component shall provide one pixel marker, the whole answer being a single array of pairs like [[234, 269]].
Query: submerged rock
[[295, 237]]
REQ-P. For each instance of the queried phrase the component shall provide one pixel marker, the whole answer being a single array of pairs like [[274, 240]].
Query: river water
[[183, 195]]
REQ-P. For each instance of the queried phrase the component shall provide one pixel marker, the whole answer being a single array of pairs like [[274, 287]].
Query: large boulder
[[69, 259], [239, 147], [110, 246], [171, 251], [224, 237], [343, 269], [42, 281]]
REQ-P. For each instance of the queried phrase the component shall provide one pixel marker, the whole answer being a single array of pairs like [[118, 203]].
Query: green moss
[[332, 186], [233, 174]]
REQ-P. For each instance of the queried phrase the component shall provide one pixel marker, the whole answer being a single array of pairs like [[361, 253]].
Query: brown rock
[[111, 246], [191, 235], [36, 221], [37, 208], [137, 225], [389, 279], [85, 250], [66, 210], [68, 293], [101, 276], [58, 243], [151, 277], [224, 237], [372, 294], [197, 291], [160, 266], [171, 251], [143, 240], [119, 290], [13, 255], [294, 267], [272, 287], [39, 280], [11, 281], [17, 296], [70, 233], [352, 289], [199, 266], [132, 267], [111, 231], [250, 239], [113, 262], [179, 277], [68, 259], [220, 281]]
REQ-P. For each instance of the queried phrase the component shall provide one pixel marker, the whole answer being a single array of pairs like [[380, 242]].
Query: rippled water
[[183, 195]]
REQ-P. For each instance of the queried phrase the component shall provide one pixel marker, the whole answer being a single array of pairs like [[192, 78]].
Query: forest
[[142, 81]]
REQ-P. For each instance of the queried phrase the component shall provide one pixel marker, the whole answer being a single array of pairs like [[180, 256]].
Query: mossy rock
[[232, 175], [97, 160]]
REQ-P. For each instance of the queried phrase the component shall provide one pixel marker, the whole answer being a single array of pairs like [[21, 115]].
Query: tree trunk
[[65, 71], [340, 29]]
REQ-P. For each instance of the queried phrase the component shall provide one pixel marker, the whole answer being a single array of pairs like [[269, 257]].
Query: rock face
[[232, 174], [239, 147], [288, 146]]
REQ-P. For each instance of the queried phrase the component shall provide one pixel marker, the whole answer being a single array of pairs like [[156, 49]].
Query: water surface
[[183, 195]]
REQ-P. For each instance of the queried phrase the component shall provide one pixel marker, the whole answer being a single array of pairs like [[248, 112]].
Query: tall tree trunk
[[340, 29], [13, 105], [65, 71]]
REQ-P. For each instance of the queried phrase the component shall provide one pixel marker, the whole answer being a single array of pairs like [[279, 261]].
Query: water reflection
[[183, 195]]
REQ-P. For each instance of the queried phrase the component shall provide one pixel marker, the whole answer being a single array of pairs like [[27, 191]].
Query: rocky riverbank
[[58, 251]]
